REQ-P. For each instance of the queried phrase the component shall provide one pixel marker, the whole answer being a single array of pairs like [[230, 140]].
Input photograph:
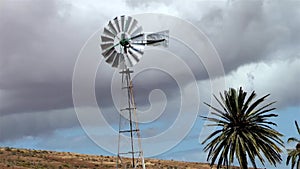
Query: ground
[[11, 158]]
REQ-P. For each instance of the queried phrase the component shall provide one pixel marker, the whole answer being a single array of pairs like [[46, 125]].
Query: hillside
[[11, 158]]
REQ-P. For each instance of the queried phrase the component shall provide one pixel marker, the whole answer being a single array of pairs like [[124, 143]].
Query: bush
[[7, 149], [66, 165]]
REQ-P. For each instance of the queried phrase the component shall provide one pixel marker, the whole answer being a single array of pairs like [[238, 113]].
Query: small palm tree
[[243, 131], [294, 153]]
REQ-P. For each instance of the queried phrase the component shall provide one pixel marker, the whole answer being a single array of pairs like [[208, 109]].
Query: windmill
[[122, 44]]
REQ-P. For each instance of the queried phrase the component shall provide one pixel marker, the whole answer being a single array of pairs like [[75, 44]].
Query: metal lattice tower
[[132, 129]]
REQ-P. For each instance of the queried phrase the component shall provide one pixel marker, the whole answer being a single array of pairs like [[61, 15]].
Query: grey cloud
[[248, 32], [39, 46], [40, 42], [36, 123], [141, 4], [279, 78]]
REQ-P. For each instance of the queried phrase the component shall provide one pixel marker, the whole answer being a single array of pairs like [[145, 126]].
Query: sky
[[257, 42]]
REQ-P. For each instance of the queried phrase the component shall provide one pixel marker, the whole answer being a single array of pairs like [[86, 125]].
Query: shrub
[[7, 149]]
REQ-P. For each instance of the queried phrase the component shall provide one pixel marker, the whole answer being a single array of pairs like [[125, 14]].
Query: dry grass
[[11, 158]]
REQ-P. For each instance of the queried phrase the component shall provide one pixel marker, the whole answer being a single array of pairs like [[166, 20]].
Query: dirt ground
[[11, 158]]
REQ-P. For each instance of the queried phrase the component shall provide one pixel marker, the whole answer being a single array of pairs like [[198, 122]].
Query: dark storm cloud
[[39, 45], [253, 31], [36, 123]]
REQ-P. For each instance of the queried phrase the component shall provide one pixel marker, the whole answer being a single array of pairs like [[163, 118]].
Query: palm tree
[[243, 131], [294, 153]]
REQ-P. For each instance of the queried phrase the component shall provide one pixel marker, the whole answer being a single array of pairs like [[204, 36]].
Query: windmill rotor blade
[[108, 33], [106, 39], [133, 25], [121, 61], [123, 36], [108, 52], [111, 58], [134, 56], [112, 28], [128, 61], [106, 45], [122, 22], [136, 50], [116, 61], [121, 56], [117, 24], [128, 22], [137, 36], [137, 31]]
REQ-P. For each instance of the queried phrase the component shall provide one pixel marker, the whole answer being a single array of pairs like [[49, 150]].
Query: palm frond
[[256, 103], [249, 100], [298, 129], [220, 103], [293, 139]]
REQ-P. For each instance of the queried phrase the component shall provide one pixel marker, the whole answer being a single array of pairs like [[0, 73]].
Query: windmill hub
[[124, 42]]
